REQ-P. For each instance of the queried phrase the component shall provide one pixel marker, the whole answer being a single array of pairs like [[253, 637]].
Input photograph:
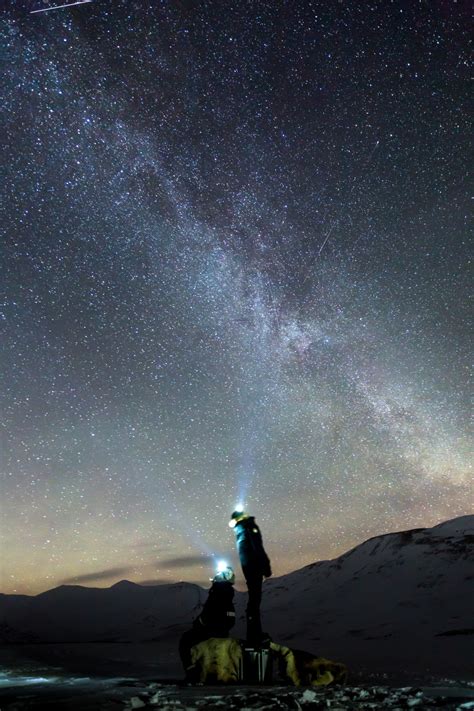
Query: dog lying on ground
[[220, 659], [304, 669]]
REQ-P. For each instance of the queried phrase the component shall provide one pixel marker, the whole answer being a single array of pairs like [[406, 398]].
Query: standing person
[[216, 619], [255, 566]]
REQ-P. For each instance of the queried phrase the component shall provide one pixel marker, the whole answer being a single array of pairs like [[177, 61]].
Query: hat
[[236, 517], [225, 576]]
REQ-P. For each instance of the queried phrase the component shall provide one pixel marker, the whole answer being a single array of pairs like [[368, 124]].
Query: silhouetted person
[[255, 566], [216, 619]]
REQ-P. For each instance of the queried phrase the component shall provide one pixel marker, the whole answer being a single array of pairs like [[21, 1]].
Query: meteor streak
[[58, 7]]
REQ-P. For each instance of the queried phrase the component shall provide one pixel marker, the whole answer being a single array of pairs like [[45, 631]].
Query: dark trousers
[[254, 624]]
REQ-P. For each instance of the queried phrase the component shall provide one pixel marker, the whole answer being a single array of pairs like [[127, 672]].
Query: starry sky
[[234, 268]]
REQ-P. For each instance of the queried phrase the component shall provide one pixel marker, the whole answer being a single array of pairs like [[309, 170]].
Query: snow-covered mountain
[[124, 612], [407, 593], [421, 577]]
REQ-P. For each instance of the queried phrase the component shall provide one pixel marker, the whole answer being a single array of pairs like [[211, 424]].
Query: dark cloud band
[[98, 575], [185, 561]]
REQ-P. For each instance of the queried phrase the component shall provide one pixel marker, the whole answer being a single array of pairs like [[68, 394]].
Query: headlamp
[[237, 515], [221, 566]]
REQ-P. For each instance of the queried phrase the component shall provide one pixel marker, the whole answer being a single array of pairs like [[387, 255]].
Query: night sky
[[235, 267]]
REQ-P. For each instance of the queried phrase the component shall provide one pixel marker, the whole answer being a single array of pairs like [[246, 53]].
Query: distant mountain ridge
[[404, 593], [122, 613]]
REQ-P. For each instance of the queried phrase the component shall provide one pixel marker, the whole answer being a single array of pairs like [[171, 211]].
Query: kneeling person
[[216, 619]]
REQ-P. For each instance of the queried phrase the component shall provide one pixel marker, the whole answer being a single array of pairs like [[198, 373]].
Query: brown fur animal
[[217, 659], [304, 669]]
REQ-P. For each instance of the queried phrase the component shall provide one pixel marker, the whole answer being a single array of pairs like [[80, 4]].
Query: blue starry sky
[[234, 268]]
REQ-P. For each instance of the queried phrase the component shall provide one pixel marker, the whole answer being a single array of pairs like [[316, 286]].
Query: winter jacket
[[250, 547], [218, 613]]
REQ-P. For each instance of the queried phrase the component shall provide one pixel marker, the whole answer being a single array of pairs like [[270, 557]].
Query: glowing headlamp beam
[[58, 7], [221, 566]]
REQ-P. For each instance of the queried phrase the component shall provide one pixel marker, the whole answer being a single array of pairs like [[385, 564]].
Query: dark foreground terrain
[[108, 677], [109, 694]]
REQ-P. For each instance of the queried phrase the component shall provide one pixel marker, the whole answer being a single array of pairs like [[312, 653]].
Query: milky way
[[235, 267]]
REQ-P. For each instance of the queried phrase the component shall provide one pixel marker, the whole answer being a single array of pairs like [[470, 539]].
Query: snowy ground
[[283, 697], [113, 694], [38, 687]]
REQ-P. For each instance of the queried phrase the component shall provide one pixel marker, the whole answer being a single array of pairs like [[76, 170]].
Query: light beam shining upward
[[58, 7]]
